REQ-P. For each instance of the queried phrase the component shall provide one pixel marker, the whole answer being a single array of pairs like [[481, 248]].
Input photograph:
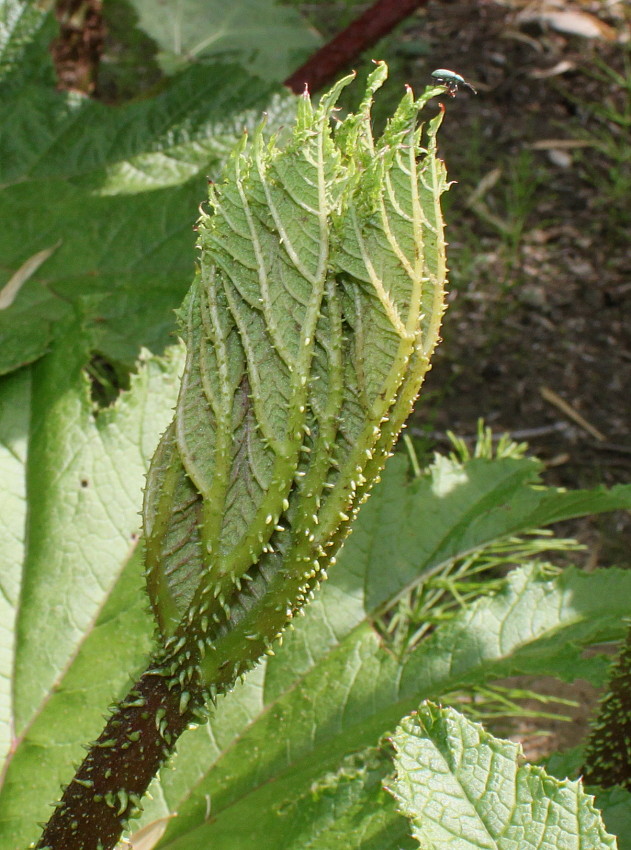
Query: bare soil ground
[[537, 337], [540, 301]]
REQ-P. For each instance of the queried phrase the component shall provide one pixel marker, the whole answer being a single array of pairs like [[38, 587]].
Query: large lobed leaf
[[269, 38], [331, 688], [56, 681], [267, 747], [72, 608], [110, 194]]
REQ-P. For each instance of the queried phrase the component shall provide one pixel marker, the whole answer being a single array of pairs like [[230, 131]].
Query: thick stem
[[608, 751], [332, 59], [107, 788]]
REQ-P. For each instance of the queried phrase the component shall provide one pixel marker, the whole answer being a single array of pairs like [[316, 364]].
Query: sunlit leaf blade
[[344, 807], [14, 423], [537, 624], [260, 751], [211, 759], [116, 189], [115, 646], [72, 584], [454, 509], [411, 529], [463, 789], [268, 38], [22, 23]]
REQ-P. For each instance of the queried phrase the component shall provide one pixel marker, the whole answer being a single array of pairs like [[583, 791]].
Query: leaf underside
[[309, 329]]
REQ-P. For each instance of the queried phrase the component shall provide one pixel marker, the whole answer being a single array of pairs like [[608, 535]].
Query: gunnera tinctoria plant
[[309, 328]]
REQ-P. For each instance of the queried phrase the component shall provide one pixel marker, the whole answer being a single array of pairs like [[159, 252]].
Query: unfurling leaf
[[309, 329]]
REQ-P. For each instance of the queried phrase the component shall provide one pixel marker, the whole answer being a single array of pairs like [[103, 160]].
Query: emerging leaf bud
[[309, 329]]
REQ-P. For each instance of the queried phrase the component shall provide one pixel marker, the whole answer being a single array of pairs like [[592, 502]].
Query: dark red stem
[[118, 768], [327, 64]]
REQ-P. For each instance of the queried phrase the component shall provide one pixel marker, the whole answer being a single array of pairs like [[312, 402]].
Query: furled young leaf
[[113, 190], [267, 38], [74, 624], [463, 789], [309, 330]]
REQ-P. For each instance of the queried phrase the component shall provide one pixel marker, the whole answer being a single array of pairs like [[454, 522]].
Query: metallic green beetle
[[451, 80]]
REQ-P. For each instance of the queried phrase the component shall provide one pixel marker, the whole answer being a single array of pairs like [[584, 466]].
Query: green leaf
[[566, 763], [265, 747], [615, 804], [73, 578], [269, 39], [462, 507], [411, 529], [115, 191], [464, 789], [536, 625], [345, 807], [331, 688], [14, 423], [24, 25]]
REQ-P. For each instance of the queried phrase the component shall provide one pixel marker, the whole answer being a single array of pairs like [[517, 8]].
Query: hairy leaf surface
[[466, 790], [309, 330]]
